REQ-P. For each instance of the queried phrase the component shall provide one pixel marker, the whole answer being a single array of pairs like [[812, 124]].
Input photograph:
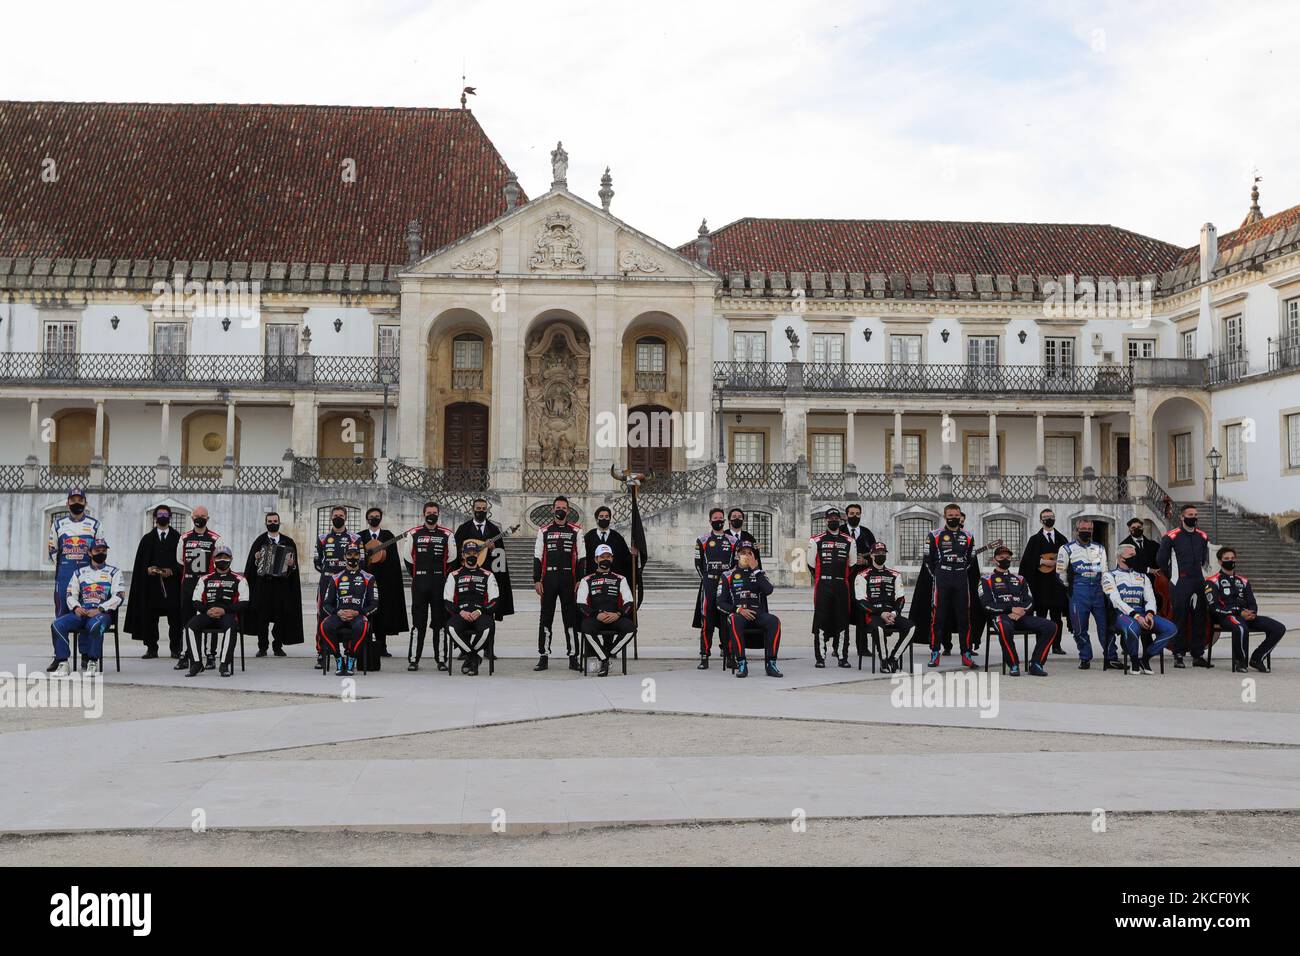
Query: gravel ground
[[1172, 839]]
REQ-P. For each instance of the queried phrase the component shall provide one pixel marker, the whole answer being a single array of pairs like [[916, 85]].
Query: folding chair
[[74, 637], [1217, 630], [991, 639], [619, 649], [488, 650], [755, 640]]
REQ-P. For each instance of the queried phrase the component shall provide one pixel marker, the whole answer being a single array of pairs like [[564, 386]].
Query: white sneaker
[[62, 670], [92, 668]]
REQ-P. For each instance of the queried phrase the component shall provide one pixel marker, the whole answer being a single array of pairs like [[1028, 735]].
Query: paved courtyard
[[668, 764]]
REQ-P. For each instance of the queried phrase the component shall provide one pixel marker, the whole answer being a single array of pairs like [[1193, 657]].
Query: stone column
[[606, 356], [1132, 486], [97, 460], [412, 391], [162, 470], [945, 449], [794, 431], [1089, 483], [228, 465], [31, 467], [303, 440], [1040, 470], [850, 456], [508, 390], [993, 475], [898, 442]]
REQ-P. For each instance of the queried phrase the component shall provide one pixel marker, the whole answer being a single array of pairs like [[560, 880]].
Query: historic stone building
[[271, 306]]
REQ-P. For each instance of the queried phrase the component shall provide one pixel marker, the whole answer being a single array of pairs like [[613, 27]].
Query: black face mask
[[431, 520], [480, 516], [878, 560], [470, 560], [1135, 532], [1049, 522], [832, 526], [163, 520], [952, 522], [200, 523], [273, 527], [737, 523], [339, 522], [853, 521], [1190, 522], [603, 522], [374, 522], [1002, 563], [1085, 537], [353, 563], [77, 509], [1227, 565], [560, 514], [717, 525], [98, 557], [222, 565], [603, 565]]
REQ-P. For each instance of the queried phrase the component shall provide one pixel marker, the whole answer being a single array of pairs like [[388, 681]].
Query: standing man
[[350, 602], [482, 528], [831, 557], [1130, 592], [156, 586], [93, 593], [433, 556], [878, 595], [468, 597], [715, 553], [558, 561], [71, 536], [194, 554], [1232, 602], [1145, 551], [1006, 597], [217, 599], [275, 590], [1080, 565], [331, 559], [1183, 556], [863, 539], [949, 557], [1038, 568], [623, 554], [741, 602], [387, 571], [605, 602]]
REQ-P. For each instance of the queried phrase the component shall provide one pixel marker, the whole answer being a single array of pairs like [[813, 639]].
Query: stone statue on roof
[[559, 166]]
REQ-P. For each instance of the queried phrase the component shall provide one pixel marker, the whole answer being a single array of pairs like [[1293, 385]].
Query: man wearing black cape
[[478, 526], [604, 534], [1039, 572], [923, 603], [391, 616], [156, 586], [275, 600]]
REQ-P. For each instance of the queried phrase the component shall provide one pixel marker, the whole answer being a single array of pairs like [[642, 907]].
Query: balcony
[[221, 371], [938, 379], [651, 381], [1169, 373], [1227, 367], [466, 378], [1284, 353]]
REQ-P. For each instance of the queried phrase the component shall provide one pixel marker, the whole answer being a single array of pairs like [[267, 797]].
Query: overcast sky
[[1148, 116]]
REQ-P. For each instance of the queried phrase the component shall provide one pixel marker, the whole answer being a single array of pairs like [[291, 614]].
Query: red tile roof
[[974, 248], [240, 182], [1256, 230]]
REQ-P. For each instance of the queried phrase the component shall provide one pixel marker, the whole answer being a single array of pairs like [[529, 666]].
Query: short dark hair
[[1226, 549], [343, 508], [430, 504], [1136, 519], [272, 514], [734, 510], [952, 506], [558, 499], [604, 508], [1185, 508], [372, 509], [1045, 511], [854, 505], [715, 510], [477, 500]]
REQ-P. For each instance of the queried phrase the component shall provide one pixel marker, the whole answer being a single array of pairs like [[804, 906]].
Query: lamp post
[[719, 383], [1214, 458], [385, 376]]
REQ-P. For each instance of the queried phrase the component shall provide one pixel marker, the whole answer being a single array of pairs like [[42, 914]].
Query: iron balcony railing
[[428, 482], [1284, 353], [651, 381], [129, 368], [947, 379], [343, 471], [756, 475], [467, 378], [556, 481], [1227, 367], [666, 490]]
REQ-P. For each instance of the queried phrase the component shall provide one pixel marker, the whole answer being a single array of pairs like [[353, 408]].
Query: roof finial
[[606, 189], [1254, 214], [511, 190], [703, 245], [413, 240], [464, 90]]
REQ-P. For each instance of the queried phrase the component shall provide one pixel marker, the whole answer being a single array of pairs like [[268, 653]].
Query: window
[[913, 537], [1059, 451], [467, 361], [1141, 349], [1010, 530], [169, 338], [759, 524], [323, 524], [1058, 353], [61, 337], [749, 346], [913, 452], [1232, 337], [1189, 344], [749, 447], [1293, 441], [1234, 462], [389, 347], [651, 365], [982, 350], [828, 348], [281, 349], [977, 455], [905, 349], [1291, 319], [1181, 466], [828, 454]]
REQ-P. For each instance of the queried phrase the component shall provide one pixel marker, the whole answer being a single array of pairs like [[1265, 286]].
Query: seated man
[[351, 597], [605, 602], [742, 602], [469, 597], [1134, 600], [1006, 597], [877, 594], [1232, 602], [218, 596], [92, 594]]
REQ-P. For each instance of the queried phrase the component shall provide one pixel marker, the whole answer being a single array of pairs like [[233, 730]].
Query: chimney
[[703, 245], [511, 190], [413, 241], [1209, 250]]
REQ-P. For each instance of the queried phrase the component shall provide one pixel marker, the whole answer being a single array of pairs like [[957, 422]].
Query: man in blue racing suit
[[1130, 591], [1080, 565], [71, 536]]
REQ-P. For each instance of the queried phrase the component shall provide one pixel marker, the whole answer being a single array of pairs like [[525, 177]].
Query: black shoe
[[820, 663], [385, 653], [261, 652], [542, 664], [1201, 662], [442, 666], [604, 668], [703, 665], [320, 662], [574, 665], [1178, 661], [211, 662], [195, 669], [54, 665], [947, 649], [183, 663], [473, 666], [1239, 668], [227, 670], [412, 666], [278, 651], [1145, 664], [1057, 648], [1085, 665], [177, 654], [149, 654], [1259, 665], [844, 662], [1110, 664], [465, 667]]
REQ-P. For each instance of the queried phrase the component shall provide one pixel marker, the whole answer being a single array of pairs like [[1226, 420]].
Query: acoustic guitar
[[377, 551]]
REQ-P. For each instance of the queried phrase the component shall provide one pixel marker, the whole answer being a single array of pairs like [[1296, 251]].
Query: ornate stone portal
[[557, 398]]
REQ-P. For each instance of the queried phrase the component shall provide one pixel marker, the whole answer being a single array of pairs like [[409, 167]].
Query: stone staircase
[[1270, 562], [658, 574]]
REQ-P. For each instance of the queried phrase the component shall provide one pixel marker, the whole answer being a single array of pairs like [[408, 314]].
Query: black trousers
[[344, 637], [427, 610], [174, 617], [558, 585], [614, 635], [1052, 614], [1241, 629], [950, 611], [709, 620], [221, 628], [1188, 609], [771, 626], [1045, 632], [831, 616], [470, 636], [902, 626]]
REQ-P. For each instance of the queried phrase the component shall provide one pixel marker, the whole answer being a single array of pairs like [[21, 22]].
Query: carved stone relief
[[558, 245], [556, 396]]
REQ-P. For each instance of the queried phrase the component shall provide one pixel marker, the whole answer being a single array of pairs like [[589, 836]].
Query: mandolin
[[485, 547], [377, 551]]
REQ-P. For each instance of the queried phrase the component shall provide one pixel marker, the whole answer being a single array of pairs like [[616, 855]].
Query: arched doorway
[[465, 435], [650, 439], [203, 439], [73, 442]]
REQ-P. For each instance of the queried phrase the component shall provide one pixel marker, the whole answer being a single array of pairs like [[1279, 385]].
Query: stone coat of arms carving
[[556, 395], [559, 245]]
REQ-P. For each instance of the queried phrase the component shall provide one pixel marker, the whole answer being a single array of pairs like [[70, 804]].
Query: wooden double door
[[465, 436]]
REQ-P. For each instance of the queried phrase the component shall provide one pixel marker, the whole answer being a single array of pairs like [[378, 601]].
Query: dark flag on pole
[[639, 546]]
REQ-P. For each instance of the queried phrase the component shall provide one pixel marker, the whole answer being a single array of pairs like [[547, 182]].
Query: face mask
[[717, 525], [560, 514], [853, 521], [338, 522], [1227, 565], [163, 520], [374, 522], [1049, 522], [1135, 532], [98, 557], [470, 560], [431, 520], [832, 526], [952, 522], [1190, 522], [737, 523], [1085, 537], [222, 565], [77, 508], [878, 560], [1003, 563], [603, 522], [353, 563], [603, 565], [273, 527], [480, 516], [200, 522]]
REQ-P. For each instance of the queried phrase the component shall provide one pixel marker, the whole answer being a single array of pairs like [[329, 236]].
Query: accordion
[[275, 560]]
